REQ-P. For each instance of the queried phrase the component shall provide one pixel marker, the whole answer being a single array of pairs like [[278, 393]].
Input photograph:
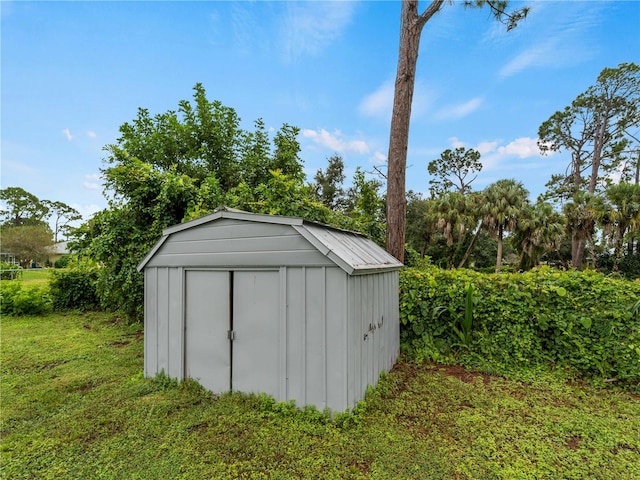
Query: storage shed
[[261, 303]]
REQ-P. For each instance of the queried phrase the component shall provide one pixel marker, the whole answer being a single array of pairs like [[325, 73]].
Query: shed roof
[[351, 251]]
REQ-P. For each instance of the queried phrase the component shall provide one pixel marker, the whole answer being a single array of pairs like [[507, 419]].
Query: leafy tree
[[173, 167], [22, 207], [366, 207], [452, 169], [594, 129], [620, 218], [328, 184], [452, 214], [582, 213], [505, 201], [540, 229], [421, 223], [27, 243], [63, 215], [411, 24]]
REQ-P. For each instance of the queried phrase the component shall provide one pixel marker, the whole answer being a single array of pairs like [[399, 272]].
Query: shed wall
[[335, 332], [374, 324], [237, 243]]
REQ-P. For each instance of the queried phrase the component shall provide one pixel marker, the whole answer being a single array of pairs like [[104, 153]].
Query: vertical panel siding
[[176, 327], [282, 326], [336, 332], [296, 335], [325, 315], [151, 321], [394, 302], [163, 320], [355, 344], [315, 338]]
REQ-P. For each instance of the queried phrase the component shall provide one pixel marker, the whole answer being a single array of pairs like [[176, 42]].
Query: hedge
[[583, 322], [16, 299]]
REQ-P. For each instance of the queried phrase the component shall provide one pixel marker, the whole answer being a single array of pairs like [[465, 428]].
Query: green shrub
[[10, 271], [74, 288], [63, 261], [15, 299], [580, 321]]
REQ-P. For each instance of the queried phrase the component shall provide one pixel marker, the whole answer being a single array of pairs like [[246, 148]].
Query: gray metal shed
[[262, 303]]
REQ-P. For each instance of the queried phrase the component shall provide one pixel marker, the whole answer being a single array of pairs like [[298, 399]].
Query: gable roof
[[351, 251]]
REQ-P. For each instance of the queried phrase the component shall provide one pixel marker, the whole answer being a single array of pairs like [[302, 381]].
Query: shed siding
[[150, 321], [321, 332], [373, 311], [296, 323], [335, 333], [176, 325], [251, 245], [315, 339]]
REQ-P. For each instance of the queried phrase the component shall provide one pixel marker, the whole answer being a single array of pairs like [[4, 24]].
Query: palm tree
[[620, 217], [582, 213], [452, 217], [504, 203], [539, 229]]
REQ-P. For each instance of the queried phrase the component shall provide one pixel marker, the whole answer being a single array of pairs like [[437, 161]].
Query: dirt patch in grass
[[574, 442]]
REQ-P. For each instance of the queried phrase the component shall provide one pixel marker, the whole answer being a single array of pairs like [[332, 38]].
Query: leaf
[[561, 291], [585, 322]]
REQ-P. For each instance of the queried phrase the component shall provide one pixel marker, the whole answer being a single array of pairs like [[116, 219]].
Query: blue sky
[[73, 72]]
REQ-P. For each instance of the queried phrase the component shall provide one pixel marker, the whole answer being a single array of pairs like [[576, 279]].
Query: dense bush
[[9, 271], [63, 261], [16, 299], [581, 321], [74, 288], [628, 267]]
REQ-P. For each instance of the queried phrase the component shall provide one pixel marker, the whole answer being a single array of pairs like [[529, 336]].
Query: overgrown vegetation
[[75, 406], [18, 299], [580, 322], [75, 288]]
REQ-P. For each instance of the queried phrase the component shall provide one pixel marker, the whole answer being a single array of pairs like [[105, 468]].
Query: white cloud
[[561, 38], [309, 27], [378, 103], [457, 143], [91, 134], [523, 147], [536, 56], [454, 112], [493, 153], [67, 133], [378, 158], [86, 211], [335, 141], [91, 181], [486, 147]]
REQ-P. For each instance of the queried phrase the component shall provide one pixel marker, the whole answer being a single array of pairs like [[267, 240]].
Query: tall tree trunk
[[577, 250], [499, 255], [470, 247], [598, 145], [411, 24]]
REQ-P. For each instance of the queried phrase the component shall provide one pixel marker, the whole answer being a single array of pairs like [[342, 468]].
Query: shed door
[[256, 349], [249, 362], [207, 347]]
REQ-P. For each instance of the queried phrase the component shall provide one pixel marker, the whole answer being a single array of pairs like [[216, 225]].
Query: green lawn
[[75, 405], [35, 276]]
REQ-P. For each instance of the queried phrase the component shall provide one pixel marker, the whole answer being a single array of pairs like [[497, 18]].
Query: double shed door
[[232, 330]]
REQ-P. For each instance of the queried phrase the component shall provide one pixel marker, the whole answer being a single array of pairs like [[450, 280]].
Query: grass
[[35, 276], [75, 405]]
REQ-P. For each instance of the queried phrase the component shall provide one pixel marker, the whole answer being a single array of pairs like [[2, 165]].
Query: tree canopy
[[595, 129], [179, 165]]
